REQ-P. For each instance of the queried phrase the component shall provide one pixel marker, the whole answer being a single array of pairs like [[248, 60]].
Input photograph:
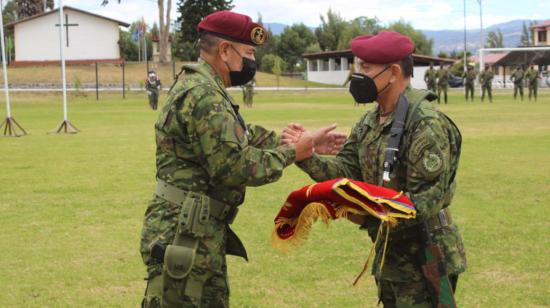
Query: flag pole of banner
[[65, 126], [10, 127]]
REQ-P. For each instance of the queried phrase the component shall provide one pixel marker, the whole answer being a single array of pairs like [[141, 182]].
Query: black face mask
[[363, 89], [247, 72]]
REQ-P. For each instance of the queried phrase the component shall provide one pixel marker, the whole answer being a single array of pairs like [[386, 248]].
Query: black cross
[[67, 25]]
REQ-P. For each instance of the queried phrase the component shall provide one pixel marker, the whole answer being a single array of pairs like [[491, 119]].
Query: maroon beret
[[385, 47], [234, 27]]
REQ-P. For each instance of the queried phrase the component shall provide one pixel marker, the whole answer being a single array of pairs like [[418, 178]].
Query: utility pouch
[[179, 258], [195, 216]]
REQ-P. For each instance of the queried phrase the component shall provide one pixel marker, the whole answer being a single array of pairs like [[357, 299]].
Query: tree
[[190, 13], [495, 40], [294, 42], [330, 31], [358, 26], [442, 54], [27, 8], [422, 43], [526, 35], [164, 27]]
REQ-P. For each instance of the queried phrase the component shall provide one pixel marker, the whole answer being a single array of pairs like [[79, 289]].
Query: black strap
[[396, 132]]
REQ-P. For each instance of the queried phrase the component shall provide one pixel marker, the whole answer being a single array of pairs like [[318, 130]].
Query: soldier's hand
[[328, 142], [292, 133], [304, 147]]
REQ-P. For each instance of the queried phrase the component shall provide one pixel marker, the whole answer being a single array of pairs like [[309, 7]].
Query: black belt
[[218, 210]]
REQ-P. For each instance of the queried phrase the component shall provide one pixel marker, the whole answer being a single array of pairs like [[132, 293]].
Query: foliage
[[331, 30], [190, 13], [526, 35], [293, 44], [422, 43], [495, 39], [269, 62], [27, 8]]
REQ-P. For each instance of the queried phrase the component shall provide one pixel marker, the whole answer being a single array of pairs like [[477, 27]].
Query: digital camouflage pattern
[[430, 77], [486, 81], [423, 172], [517, 78], [203, 147], [469, 80], [442, 83]]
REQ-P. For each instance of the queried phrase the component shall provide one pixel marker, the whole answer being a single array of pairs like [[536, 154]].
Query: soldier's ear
[[396, 71], [223, 50]]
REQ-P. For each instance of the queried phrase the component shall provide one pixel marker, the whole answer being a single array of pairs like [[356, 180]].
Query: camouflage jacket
[[422, 171], [430, 75], [532, 75], [517, 76], [442, 77], [152, 86], [486, 78], [469, 77], [203, 144]]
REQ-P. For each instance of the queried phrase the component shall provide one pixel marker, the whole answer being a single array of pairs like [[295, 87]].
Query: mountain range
[[453, 40]]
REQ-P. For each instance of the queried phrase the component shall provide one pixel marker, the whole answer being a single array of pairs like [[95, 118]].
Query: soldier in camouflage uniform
[[532, 77], [517, 78], [423, 171], [486, 81], [469, 78], [206, 156], [442, 83], [152, 86], [248, 92], [430, 77]]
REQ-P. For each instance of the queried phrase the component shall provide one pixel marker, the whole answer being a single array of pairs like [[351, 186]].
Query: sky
[[423, 14]]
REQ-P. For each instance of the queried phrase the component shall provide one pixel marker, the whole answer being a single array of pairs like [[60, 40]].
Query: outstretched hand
[[326, 141]]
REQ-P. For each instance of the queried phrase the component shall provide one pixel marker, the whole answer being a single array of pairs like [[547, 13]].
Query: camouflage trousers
[[206, 285], [518, 88], [412, 294], [469, 88], [442, 88], [153, 98], [533, 91]]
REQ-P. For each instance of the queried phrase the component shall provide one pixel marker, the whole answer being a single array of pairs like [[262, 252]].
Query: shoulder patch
[[432, 163]]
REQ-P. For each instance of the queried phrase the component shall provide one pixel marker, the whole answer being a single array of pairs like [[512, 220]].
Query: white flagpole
[[5, 70], [61, 47], [10, 127], [65, 126]]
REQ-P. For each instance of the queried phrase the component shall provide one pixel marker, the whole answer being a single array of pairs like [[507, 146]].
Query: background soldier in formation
[[152, 86], [532, 77], [442, 82], [469, 78], [429, 77], [248, 92], [517, 78], [486, 81]]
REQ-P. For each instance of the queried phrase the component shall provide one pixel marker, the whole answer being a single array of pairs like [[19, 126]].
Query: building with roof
[[333, 67], [541, 33], [89, 38]]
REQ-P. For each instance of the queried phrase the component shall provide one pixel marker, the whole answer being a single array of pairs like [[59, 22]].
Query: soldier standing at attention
[[469, 78], [486, 81], [532, 77], [152, 85], [248, 92], [428, 144], [442, 82], [206, 156], [517, 78], [429, 77]]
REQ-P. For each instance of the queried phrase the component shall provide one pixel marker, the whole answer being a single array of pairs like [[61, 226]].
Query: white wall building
[[332, 67], [89, 37]]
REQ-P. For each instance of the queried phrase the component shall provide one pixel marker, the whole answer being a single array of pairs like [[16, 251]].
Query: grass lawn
[[71, 206]]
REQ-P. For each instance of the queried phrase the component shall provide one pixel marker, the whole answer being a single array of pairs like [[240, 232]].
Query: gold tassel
[[371, 256]]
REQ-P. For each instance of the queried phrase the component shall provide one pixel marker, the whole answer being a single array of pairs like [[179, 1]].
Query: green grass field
[[71, 207]]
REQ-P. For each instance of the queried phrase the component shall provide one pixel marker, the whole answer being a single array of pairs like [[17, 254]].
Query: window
[[542, 36]]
